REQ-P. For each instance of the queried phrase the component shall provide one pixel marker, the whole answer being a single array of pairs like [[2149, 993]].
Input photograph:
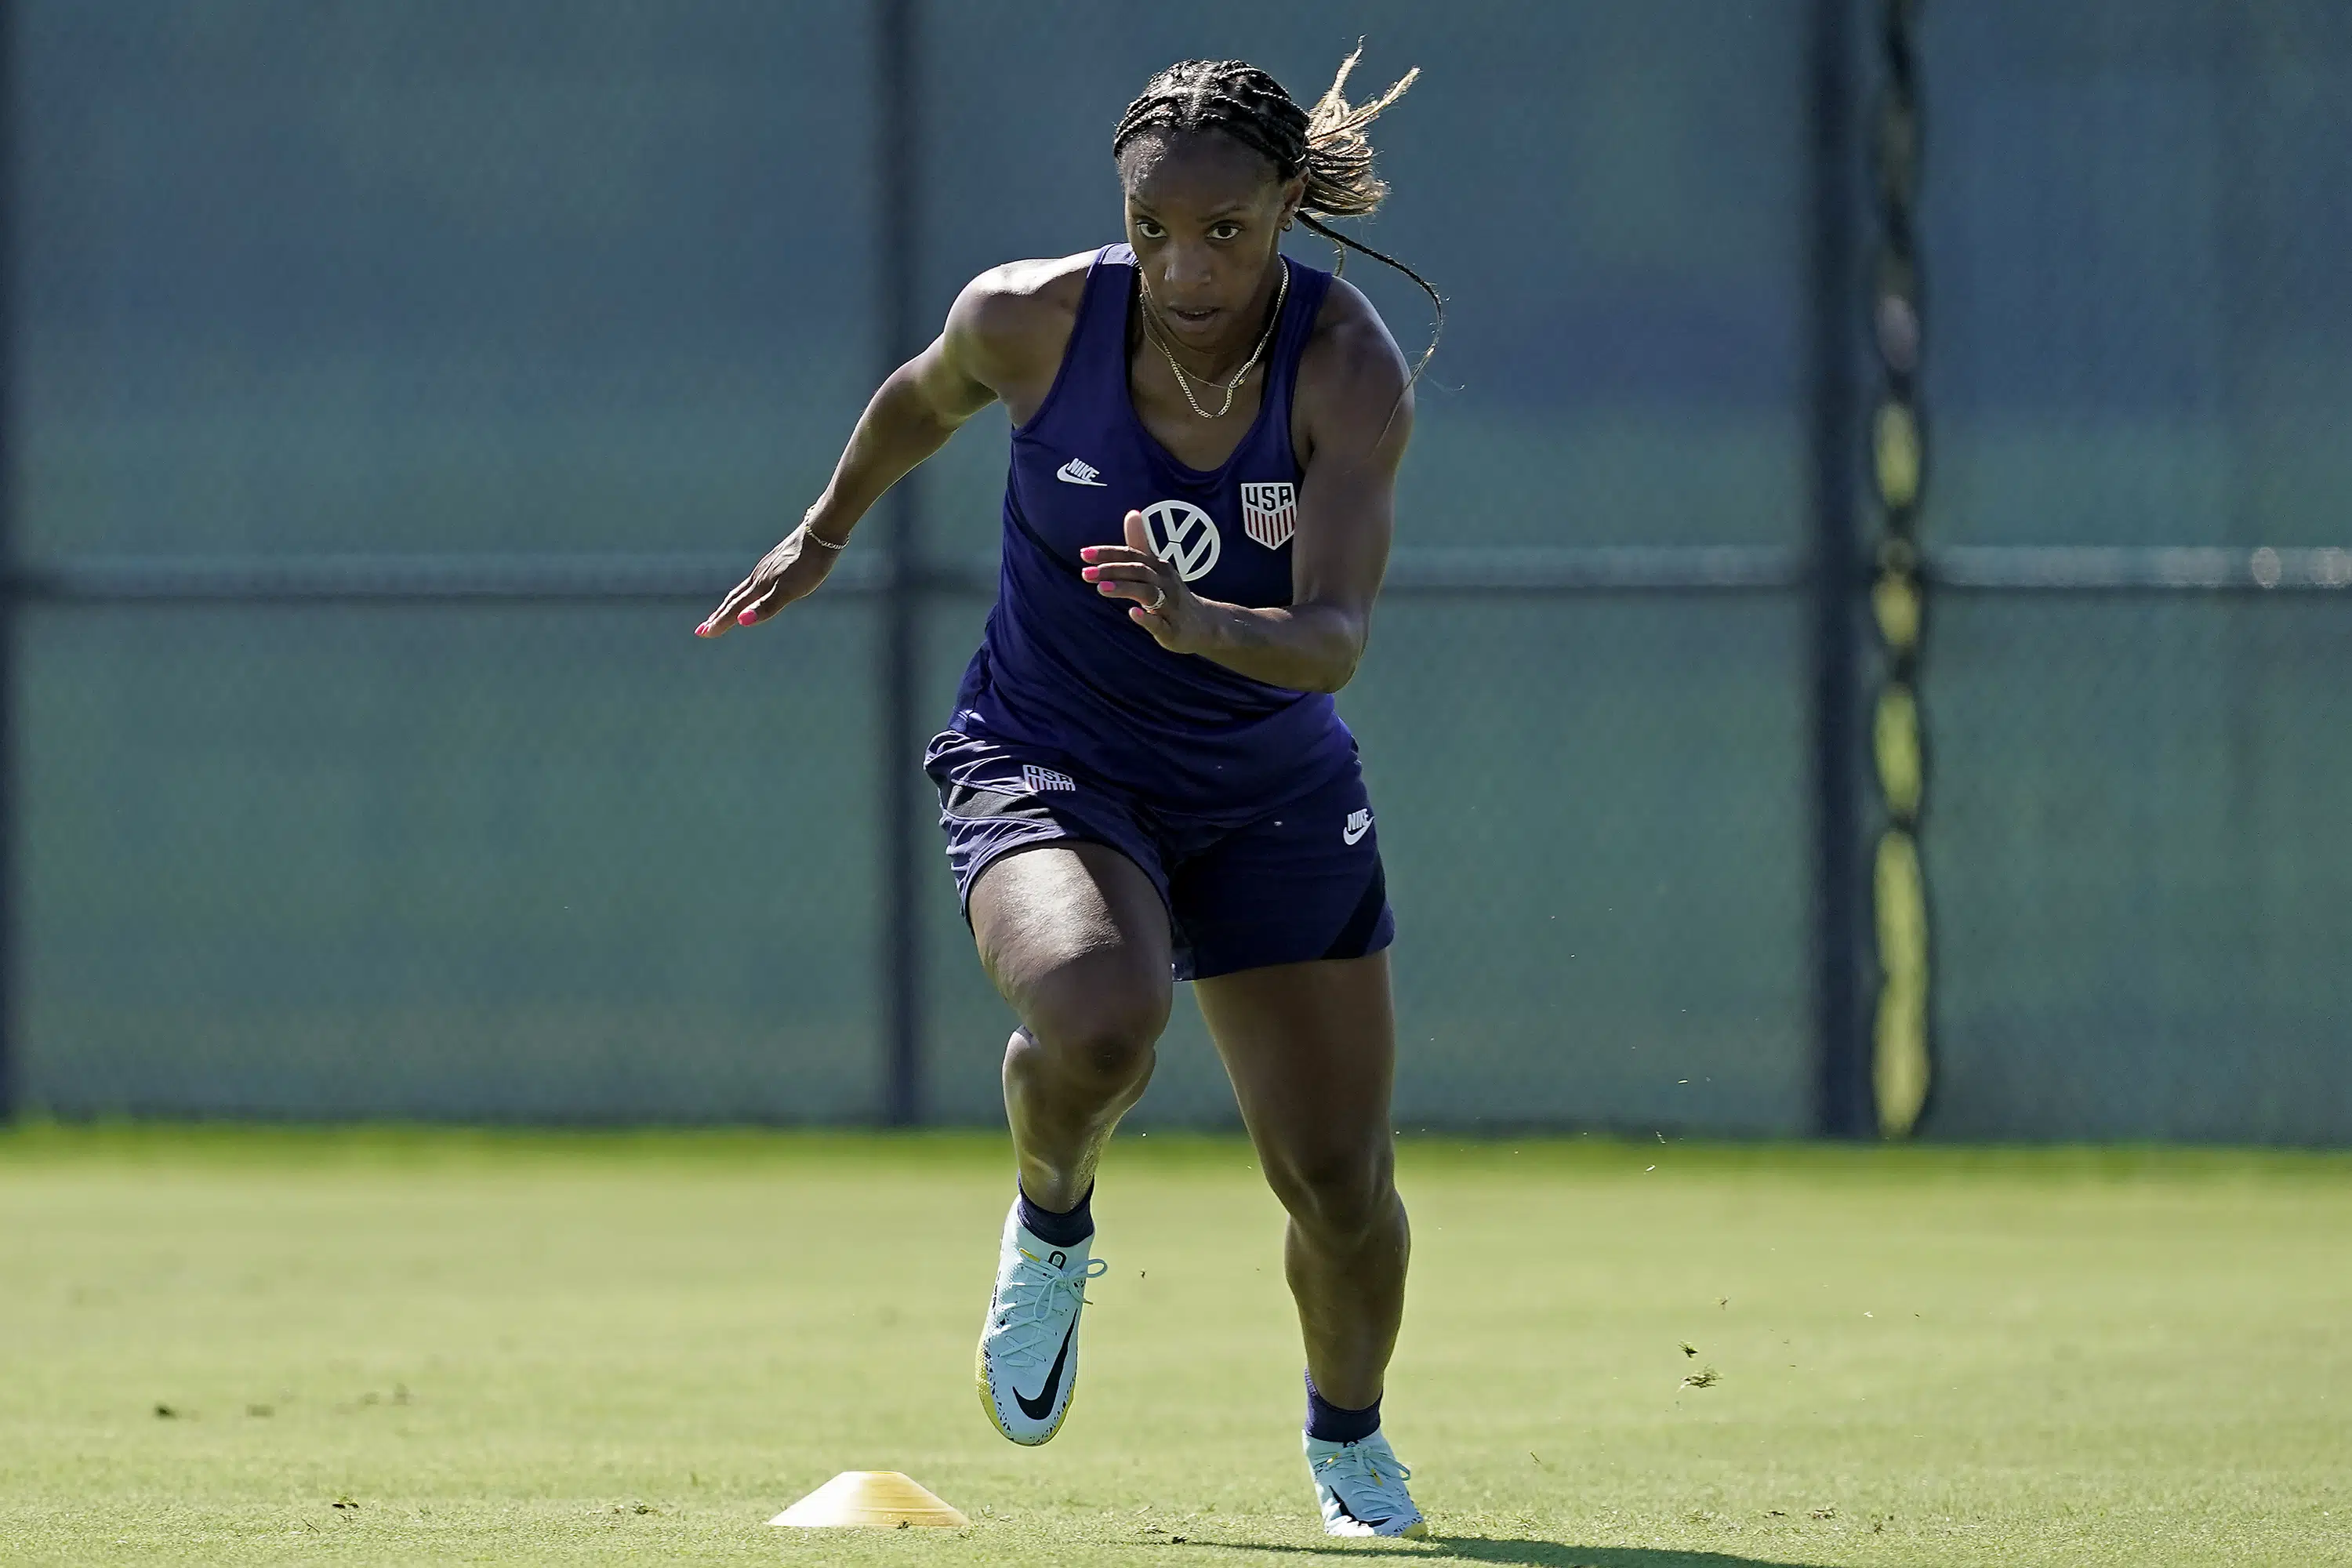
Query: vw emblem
[[1182, 535]]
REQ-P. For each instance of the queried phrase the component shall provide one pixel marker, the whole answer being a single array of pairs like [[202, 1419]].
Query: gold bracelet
[[809, 534]]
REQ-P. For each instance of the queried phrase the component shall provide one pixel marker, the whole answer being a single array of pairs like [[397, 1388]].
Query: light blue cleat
[[1360, 1487], [1027, 1365]]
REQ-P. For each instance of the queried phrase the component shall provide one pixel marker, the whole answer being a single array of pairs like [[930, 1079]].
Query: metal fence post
[[896, 99], [1842, 1085], [9, 586]]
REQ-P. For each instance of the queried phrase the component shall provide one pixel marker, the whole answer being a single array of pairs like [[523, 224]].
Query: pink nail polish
[[747, 618]]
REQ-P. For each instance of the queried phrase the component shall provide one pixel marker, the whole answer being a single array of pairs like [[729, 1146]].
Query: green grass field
[[395, 1347]]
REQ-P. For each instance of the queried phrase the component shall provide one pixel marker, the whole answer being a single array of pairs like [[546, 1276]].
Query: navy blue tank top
[[1062, 670]]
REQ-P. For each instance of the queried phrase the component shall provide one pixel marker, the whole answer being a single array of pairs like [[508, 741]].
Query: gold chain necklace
[[1184, 379]]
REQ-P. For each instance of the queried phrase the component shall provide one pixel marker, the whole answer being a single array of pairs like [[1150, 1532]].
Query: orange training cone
[[882, 1498]]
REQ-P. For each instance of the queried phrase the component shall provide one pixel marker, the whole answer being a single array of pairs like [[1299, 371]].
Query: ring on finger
[[1154, 607]]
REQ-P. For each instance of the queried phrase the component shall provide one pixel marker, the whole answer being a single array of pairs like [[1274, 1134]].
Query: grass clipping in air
[[394, 1348]]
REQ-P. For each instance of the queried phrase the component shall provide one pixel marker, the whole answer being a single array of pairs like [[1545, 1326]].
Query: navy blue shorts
[[1302, 882]]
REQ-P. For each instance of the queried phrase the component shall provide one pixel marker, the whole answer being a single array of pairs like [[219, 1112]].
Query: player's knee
[[1337, 1195], [1102, 1035]]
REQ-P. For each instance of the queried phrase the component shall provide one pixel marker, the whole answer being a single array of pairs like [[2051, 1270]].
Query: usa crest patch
[[1270, 514], [1039, 780]]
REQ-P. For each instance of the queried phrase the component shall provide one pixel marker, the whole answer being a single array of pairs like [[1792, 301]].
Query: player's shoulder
[[1351, 370], [1020, 311]]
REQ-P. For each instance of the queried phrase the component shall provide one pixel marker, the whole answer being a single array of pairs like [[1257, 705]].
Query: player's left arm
[[1354, 408]]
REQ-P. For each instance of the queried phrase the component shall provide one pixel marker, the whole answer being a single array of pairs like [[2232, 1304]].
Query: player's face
[[1204, 213]]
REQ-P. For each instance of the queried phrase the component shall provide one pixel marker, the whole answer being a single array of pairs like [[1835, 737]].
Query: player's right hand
[[791, 571]]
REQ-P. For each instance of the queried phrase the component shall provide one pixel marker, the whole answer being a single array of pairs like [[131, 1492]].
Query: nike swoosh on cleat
[[1374, 1525], [1036, 1409]]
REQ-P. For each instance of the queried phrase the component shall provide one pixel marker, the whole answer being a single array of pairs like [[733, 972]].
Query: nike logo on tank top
[[1062, 668]]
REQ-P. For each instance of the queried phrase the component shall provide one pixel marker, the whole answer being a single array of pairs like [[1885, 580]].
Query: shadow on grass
[[1531, 1554]]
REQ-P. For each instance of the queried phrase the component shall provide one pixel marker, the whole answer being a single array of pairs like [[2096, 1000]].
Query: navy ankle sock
[[1326, 1423], [1058, 1229]]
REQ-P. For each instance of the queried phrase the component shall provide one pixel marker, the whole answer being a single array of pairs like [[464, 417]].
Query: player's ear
[[1294, 190]]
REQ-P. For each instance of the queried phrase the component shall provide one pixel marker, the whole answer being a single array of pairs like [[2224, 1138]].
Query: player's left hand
[[1176, 617]]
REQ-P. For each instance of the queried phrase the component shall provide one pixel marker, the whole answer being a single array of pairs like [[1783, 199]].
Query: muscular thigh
[[1072, 927], [1311, 1049]]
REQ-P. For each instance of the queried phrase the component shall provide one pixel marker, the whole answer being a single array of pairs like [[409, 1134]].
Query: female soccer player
[[1144, 777]]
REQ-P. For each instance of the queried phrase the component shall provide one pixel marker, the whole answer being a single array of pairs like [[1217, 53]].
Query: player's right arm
[[987, 347]]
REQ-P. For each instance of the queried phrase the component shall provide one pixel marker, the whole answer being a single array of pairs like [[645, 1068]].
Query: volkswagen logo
[[1182, 535]]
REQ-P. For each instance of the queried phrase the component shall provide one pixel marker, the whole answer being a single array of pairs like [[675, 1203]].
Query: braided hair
[[1328, 145]]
